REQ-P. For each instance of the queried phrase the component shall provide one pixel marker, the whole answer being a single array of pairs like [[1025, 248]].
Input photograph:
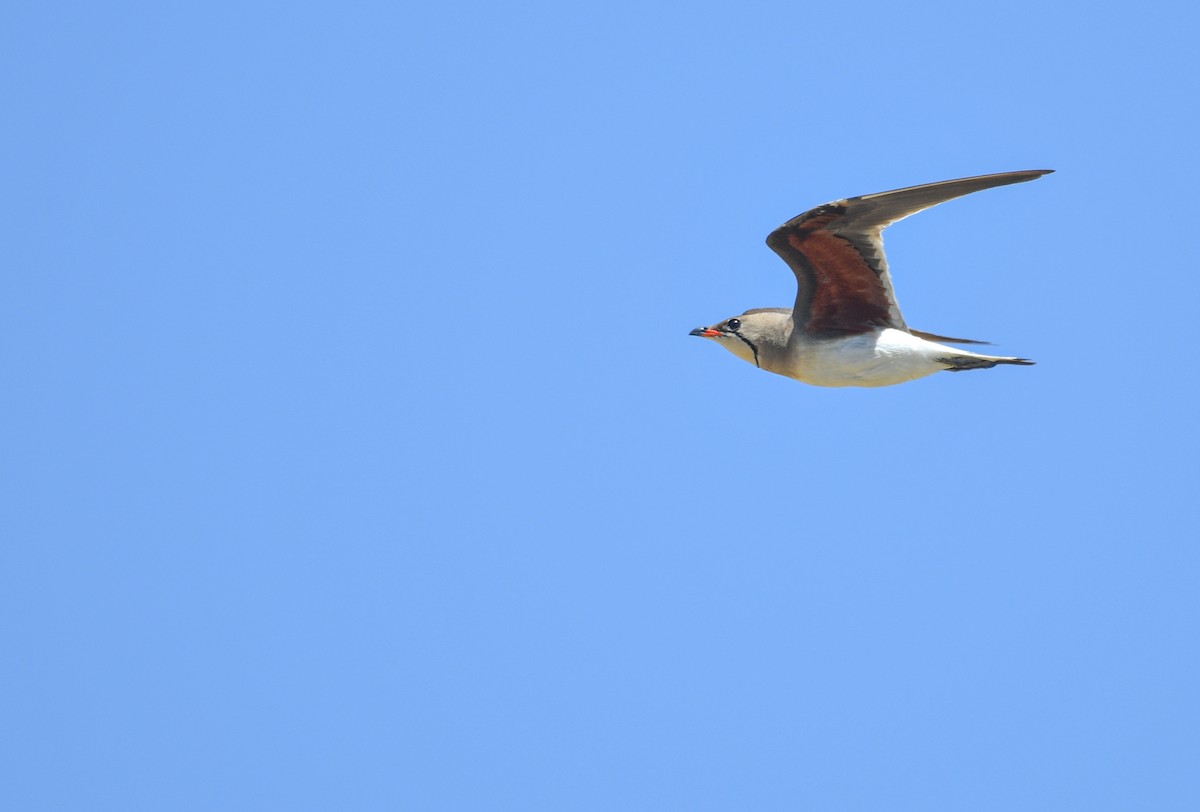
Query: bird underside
[[879, 358]]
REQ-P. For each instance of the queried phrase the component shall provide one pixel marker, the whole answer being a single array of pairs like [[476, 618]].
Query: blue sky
[[356, 455]]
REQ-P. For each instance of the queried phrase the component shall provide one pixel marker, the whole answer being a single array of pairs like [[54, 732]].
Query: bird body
[[846, 328]]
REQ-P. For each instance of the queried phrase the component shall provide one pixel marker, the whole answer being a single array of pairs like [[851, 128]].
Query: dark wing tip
[[881, 208], [957, 187], [1022, 175]]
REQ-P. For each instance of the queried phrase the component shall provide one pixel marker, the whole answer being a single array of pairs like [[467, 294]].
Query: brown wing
[[836, 251]]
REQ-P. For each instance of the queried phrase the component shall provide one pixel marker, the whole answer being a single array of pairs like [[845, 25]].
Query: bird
[[845, 328]]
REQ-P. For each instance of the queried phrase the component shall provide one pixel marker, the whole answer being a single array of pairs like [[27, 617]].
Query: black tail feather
[[961, 363]]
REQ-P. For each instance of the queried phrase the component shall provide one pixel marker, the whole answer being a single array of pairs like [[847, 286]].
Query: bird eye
[[733, 324]]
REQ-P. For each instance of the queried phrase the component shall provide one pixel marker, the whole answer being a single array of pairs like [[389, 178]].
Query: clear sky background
[[355, 454]]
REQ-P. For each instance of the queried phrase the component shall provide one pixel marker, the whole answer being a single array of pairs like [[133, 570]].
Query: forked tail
[[959, 363]]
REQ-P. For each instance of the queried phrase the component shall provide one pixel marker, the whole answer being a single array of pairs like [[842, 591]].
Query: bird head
[[751, 334]]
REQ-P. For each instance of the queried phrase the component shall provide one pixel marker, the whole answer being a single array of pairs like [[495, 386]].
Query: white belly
[[875, 359]]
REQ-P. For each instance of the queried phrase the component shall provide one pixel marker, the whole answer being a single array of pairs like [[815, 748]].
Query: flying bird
[[846, 328]]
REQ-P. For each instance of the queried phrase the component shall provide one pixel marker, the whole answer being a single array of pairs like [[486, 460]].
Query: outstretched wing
[[836, 251]]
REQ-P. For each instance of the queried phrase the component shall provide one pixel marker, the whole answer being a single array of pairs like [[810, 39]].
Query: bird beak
[[704, 332]]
